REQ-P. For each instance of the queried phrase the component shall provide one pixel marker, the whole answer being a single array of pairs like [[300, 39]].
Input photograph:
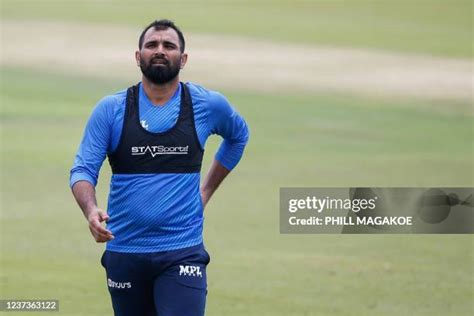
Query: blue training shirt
[[157, 212]]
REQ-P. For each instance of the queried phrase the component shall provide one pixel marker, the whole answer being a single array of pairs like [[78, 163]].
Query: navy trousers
[[170, 283]]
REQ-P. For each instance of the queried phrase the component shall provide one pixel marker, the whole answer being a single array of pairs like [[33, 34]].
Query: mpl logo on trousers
[[119, 285], [159, 150], [194, 271]]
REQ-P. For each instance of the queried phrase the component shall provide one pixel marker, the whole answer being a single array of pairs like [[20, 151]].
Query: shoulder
[[113, 100], [210, 99], [109, 105]]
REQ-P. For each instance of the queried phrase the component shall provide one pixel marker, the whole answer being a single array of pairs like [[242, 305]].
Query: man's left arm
[[225, 121], [213, 179]]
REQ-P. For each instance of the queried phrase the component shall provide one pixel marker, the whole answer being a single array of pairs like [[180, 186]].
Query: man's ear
[[184, 59], [137, 57]]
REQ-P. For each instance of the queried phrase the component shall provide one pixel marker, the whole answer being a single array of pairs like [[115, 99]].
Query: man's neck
[[159, 94]]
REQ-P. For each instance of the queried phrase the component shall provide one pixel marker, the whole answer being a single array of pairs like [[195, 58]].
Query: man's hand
[[95, 219], [213, 179], [84, 193]]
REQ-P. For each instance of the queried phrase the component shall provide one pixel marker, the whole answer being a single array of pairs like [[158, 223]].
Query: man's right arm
[[87, 164], [84, 193]]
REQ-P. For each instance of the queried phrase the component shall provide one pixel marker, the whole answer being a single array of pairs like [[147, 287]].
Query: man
[[154, 134]]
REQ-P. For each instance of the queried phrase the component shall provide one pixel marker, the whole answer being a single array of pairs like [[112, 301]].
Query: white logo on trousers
[[119, 285], [194, 271]]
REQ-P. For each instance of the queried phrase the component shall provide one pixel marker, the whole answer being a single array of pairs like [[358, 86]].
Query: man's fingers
[[100, 233], [100, 237], [103, 216], [96, 226], [99, 228]]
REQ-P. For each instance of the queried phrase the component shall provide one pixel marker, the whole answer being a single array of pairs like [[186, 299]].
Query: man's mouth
[[159, 62]]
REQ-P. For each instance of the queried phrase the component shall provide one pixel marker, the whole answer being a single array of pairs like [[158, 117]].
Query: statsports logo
[[159, 150]]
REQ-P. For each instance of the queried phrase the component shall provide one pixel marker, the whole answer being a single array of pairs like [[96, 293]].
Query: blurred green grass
[[437, 27], [296, 140]]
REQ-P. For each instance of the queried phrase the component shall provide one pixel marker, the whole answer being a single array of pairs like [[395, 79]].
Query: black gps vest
[[139, 151]]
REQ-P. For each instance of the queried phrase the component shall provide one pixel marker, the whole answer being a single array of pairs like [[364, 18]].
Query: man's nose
[[160, 50]]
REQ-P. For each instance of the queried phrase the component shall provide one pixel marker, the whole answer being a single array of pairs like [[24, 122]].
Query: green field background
[[297, 139]]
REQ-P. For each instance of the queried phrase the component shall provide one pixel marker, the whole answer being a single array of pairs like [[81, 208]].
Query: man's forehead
[[161, 35]]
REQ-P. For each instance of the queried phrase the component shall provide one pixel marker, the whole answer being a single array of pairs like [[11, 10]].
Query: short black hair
[[159, 25]]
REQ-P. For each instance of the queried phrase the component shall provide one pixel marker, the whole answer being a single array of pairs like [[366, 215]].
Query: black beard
[[159, 74]]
